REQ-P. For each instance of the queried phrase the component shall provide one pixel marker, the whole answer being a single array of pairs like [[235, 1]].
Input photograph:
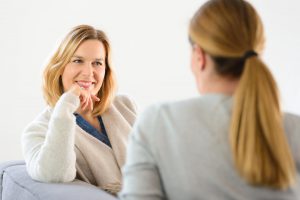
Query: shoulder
[[123, 105], [200, 107], [125, 102], [291, 119], [36, 128], [154, 118], [292, 130], [166, 111], [43, 117], [292, 125], [171, 116]]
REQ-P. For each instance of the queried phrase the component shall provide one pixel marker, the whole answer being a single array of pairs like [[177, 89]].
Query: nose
[[88, 69]]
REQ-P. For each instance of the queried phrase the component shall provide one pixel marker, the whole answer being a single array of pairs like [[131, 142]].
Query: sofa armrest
[[15, 183]]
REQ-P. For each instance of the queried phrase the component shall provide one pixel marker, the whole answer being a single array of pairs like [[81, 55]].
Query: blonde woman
[[83, 132], [233, 142]]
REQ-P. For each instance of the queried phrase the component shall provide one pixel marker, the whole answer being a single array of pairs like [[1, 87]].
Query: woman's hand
[[86, 98]]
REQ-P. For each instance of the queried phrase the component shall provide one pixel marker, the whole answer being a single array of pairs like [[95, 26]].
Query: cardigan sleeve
[[48, 142], [141, 179]]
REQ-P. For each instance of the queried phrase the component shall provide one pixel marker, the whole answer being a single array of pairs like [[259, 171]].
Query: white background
[[150, 51]]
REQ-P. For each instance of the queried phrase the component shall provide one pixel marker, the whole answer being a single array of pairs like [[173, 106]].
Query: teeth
[[84, 84]]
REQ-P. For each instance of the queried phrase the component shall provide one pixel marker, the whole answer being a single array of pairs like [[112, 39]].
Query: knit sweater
[[56, 149], [181, 150]]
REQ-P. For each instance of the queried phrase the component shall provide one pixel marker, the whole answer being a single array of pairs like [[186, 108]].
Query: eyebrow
[[98, 59]]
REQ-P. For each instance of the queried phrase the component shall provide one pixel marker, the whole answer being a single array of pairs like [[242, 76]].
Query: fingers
[[94, 97], [87, 100], [91, 103], [88, 104], [76, 89]]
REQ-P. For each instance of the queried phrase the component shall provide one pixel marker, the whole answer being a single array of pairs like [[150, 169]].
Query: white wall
[[150, 51]]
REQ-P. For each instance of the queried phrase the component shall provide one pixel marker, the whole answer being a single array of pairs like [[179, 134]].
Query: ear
[[200, 56]]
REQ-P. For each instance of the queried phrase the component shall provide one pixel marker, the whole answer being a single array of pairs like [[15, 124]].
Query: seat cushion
[[16, 184]]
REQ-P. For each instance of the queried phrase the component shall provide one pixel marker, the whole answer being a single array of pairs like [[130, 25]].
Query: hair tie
[[249, 54]]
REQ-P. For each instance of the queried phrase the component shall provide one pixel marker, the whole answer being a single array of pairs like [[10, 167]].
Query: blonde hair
[[52, 84], [226, 30]]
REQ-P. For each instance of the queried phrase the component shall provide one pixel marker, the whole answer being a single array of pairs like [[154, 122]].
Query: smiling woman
[[86, 71], [82, 134], [87, 60]]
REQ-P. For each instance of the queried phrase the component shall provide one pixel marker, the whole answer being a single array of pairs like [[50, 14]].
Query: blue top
[[102, 136]]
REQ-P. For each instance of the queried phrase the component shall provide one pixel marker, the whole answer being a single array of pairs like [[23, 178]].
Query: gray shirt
[[181, 151]]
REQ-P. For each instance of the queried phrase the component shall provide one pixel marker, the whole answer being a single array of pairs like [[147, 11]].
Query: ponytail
[[260, 149]]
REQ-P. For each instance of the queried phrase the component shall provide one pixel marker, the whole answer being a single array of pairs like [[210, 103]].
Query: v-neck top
[[86, 126]]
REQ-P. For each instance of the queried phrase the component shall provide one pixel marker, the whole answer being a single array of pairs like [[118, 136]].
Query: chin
[[95, 92]]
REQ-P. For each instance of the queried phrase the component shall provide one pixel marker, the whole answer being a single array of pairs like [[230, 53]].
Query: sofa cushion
[[16, 184]]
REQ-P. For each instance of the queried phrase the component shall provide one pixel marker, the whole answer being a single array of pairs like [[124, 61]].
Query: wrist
[[75, 90]]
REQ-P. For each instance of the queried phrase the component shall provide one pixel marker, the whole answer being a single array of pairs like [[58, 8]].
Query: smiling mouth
[[85, 84]]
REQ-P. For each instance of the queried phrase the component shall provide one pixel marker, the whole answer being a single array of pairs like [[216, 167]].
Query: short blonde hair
[[52, 82], [226, 30]]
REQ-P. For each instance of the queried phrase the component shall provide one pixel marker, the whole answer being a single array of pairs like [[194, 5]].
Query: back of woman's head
[[52, 86], [231, 32]]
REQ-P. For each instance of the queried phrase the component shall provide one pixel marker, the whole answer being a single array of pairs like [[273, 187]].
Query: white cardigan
[[56, 149]]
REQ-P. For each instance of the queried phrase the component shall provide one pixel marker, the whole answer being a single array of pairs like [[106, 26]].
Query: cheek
[[67, 77], [99, 77], [100, 74]]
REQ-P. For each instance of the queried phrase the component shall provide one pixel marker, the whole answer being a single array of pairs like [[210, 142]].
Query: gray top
[[181, 151]]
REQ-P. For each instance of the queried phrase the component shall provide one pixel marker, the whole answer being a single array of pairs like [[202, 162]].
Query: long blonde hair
[[226, 30], [52, 83]]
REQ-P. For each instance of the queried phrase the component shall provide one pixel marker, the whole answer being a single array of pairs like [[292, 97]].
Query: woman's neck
[[87, 115], [219, 85]]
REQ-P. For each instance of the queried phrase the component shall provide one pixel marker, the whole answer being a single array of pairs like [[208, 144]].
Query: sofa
[[15, 184]]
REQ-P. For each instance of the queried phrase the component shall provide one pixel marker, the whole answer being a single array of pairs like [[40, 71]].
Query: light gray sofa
[[15, 184]]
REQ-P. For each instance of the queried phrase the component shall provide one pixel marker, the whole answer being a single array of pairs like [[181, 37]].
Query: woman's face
[[86, 68]]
